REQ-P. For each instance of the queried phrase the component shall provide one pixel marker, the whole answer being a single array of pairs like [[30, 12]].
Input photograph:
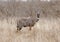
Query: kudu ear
[[38, 15]]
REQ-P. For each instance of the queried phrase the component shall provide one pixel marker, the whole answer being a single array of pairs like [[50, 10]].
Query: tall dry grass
[[45, 30]]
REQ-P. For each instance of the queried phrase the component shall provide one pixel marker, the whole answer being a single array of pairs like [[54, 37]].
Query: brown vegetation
[[47, 29]]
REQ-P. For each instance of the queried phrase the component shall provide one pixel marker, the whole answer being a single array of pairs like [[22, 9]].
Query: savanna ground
[[47, 29]]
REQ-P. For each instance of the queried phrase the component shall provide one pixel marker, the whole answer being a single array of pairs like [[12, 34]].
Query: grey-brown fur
[[27, 22]]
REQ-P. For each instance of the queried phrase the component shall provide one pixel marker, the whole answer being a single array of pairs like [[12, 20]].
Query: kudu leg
[[30, 28], [18, 28]]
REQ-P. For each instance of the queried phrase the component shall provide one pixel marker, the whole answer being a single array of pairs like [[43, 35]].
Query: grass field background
[[47, 29]]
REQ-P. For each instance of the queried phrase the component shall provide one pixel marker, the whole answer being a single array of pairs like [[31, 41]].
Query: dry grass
[[46, 30]]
